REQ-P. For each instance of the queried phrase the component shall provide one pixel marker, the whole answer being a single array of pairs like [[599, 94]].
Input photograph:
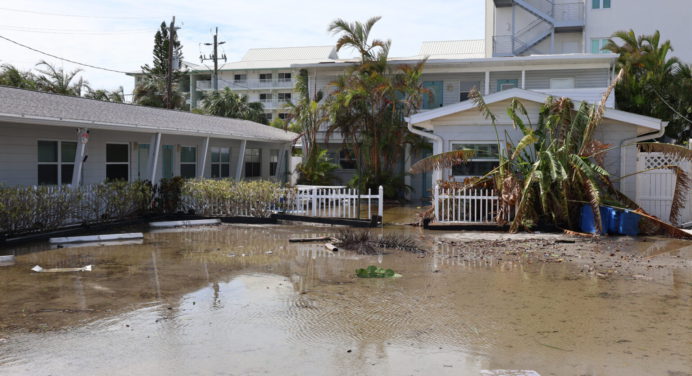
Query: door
[[142, 162], [167, 159], [434, 99]]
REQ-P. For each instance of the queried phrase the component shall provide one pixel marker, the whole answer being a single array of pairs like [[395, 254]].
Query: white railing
[[247, 84], [333, 201], [469, 206]]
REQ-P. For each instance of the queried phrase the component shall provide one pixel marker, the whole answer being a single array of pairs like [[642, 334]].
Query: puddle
[[243, 300]]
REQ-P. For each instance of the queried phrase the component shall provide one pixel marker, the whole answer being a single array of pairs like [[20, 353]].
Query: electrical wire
[[77, 15], [61, 58], [71, 31]]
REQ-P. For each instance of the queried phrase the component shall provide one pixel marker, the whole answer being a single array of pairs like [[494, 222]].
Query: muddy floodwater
[[242, 300]]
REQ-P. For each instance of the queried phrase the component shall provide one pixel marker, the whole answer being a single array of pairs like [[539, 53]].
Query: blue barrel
[[611, 220], [588, 223], [628, 223]]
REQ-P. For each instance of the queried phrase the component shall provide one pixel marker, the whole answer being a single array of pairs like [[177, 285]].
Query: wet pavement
[[242, 300]]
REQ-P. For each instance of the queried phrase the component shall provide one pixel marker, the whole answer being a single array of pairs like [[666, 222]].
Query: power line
[[61, 58], [78, 15], [70, 31]]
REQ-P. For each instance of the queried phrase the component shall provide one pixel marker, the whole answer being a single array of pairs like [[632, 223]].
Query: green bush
[[228, 198]]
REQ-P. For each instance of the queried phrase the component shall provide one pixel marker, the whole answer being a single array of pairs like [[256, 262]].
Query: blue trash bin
[[628, 223], [588, 223], [611, 219]]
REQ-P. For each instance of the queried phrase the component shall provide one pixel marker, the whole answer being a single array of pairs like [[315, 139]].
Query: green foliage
[[44, 208], [394, 184], [116, 96], [14, 77], [57, 81], [151, 92], [227, 103], [654, 84], [317, 170], [373, 271], [228, 198], [170, 191], [160, 54]]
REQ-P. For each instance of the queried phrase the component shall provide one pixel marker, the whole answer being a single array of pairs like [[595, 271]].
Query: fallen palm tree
[[366, 243]]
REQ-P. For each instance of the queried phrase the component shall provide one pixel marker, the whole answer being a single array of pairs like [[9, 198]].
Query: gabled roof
[[26, 106], [265, 58], [610, 113], [453, 49]]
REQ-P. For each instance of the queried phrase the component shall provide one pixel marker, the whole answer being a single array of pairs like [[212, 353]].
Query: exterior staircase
[[550, 17]]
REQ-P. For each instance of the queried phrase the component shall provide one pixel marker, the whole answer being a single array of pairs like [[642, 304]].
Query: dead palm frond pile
[[367, 243]]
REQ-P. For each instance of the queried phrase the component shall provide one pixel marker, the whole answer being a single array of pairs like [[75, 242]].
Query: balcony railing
[[272, 104], [248, 84]]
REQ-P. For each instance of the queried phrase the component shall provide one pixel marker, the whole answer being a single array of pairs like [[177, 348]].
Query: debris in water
[[306, 240], [39, 269], [366, 243], [373, 271], [331, 247]]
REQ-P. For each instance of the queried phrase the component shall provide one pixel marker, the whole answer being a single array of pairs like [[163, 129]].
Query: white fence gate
[[655, 188], [334, 201], [469, 206]]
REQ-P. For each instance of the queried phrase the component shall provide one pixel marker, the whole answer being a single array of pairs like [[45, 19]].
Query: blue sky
[[119, 34]]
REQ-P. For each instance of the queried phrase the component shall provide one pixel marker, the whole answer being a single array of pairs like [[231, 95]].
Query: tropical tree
[[653, 83], [368, 105], [117, 96], [13, 76], [227, 103], [151, 91], [57, 81]]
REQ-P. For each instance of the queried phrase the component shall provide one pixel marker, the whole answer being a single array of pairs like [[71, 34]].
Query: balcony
[[247, 84], [273, 104]]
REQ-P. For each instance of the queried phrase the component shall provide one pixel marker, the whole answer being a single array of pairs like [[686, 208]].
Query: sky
[[119, 35]]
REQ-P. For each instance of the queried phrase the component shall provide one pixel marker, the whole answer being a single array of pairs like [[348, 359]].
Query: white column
[[523, 79], [154, 147], [82, 139], [205, 152], [241, 160], [487, 83]]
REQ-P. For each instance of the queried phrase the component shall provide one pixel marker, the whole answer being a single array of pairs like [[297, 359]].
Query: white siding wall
[[583, 78]]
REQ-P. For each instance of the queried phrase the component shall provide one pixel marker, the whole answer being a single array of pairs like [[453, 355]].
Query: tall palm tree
[[356, 35], [56, 80], [227, 103], [151, 92], [117, 96]]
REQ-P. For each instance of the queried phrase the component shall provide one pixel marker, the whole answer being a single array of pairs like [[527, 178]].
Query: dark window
[[265, 77], [273, 162], [465, 89], [240, 77], [253, 163], [220, 162], [188, 162], [56, 162], [433, 98], [347, 160], [284, 77], [117, 162], [283, 116], [486, 157], [284, 97], [47, 174]]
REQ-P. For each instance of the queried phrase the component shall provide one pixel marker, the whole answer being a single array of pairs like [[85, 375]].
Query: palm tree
[[151, 92], [227, 103], [57, 81], [356, 35], [12, 76], [117, 96]]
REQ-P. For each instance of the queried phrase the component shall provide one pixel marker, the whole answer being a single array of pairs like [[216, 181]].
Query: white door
[[655, 188]]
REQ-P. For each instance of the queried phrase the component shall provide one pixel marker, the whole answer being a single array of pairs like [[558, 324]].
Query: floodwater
[[242, 300]]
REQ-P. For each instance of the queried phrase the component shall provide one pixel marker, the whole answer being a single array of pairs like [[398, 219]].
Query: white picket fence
[[334, 201], [655, 186], [468, 206]]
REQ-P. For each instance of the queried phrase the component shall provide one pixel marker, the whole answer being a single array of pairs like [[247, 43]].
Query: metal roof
[[451, 49], [27, 106], [264, 58]]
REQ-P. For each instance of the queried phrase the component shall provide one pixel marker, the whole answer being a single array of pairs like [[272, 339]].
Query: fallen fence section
[[194, 222], [97, 238], [469, 206]]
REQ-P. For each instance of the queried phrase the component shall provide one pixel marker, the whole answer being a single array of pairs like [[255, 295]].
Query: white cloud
[[242, 24]]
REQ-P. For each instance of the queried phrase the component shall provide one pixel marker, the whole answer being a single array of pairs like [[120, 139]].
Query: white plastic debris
[[39, 269], [97, 238], [509, 372], [195, 222]]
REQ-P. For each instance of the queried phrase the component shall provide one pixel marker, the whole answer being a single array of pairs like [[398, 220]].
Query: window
[[562, 83], [433, 99], [253, 163], [485, 159], [507, 84], [347, 160], [284, 97], [142, 161], [283, 116], [240, 77], [118, 162], [56, 162], [268, 116], [188, 162], [220, 162], [466, 87], [265, 77], [265, 97], [273, 162], [596, 4], [597, 45], [284, 77]]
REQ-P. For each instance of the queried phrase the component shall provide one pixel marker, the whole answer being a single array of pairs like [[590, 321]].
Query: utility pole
[[169, 73], [215, 57]]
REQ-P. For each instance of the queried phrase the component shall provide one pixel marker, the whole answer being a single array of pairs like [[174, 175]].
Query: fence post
[[436, 201], [380, 204], [314, 202]]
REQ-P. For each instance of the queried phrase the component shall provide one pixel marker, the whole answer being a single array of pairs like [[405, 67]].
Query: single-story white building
[[49, 139], [461, 125]]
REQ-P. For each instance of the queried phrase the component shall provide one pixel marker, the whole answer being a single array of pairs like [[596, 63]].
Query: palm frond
[[443, 160], [675, 151], [682, 187]]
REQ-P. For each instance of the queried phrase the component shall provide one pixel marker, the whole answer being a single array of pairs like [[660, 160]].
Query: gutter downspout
[[438, 147], [635, 140]]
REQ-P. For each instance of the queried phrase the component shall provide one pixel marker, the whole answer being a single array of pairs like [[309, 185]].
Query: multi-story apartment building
[[265, 75], [526, 27]]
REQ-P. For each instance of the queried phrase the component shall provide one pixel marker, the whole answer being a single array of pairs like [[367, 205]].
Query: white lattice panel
[[655, 187]]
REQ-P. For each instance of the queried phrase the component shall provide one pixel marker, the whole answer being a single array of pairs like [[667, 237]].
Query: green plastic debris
[[373, 271]]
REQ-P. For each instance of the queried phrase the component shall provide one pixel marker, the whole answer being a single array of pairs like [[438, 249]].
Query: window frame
[[220, 163], [475, 159], [600, 4], [284, 78], [504, 81], [284, 100], [250, 173], [240, 77], [601, 43], [266, 100], [181, 162], [348, 161], [563, 79], [58, 163], [270, 77], [129, 158], [273, 164], [436, 100], [467, 92]]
